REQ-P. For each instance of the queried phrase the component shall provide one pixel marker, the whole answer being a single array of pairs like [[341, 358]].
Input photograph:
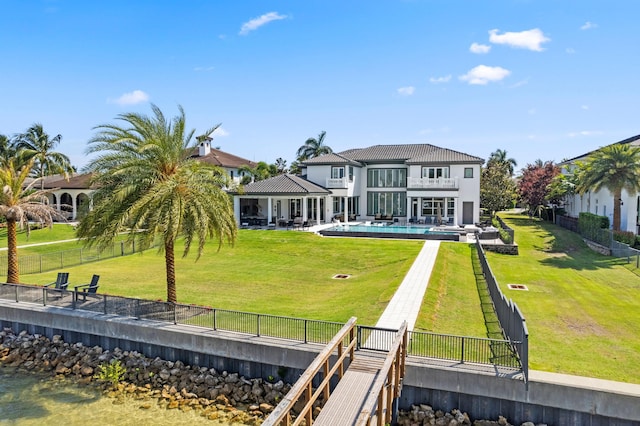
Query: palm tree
[[36, 143], [149, 188], [281, 166], [615, 167], [19, 203], [314, 148], [7, 149], [499, 156]]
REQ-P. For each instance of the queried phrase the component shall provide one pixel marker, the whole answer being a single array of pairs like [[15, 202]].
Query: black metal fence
[[429, 345], [37, 263], [511, 319]]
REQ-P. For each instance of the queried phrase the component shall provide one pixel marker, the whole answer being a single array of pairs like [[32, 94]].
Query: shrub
[[112, 372], [625, 237]]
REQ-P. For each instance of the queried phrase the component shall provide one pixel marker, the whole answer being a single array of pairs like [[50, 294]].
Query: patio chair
[[91, 288], [61, 282]]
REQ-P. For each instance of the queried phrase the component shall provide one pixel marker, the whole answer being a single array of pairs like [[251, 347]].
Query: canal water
[[30, 399]]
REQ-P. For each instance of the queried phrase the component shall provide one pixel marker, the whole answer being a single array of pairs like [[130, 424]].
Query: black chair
[[91, 288], [61, 282]]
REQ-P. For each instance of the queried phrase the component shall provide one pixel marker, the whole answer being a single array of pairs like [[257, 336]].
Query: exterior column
[[305, 209], [319, 212], [74, 206], [236, 208], [345, 212], [409, 200]]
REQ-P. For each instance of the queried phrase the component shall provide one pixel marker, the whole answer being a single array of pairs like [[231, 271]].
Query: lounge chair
[[61, 282], [91, 288]]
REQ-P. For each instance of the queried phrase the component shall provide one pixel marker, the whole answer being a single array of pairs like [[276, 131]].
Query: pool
[[392, 231]]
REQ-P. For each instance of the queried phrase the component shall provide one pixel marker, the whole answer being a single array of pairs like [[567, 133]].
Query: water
[[391, 229], [30, 399]]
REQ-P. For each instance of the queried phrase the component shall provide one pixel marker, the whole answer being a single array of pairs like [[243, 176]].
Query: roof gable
[[634, 140], [222, 159], [284, 184]]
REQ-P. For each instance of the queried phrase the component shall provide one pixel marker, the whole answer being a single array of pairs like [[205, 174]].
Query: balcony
[[432, 183], [336, 182]]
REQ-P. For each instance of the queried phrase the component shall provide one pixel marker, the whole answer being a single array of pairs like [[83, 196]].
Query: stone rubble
[[223, 396]]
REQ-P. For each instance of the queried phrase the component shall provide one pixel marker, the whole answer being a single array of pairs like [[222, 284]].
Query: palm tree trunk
[[13, 269], [169, 261], [617, 198]]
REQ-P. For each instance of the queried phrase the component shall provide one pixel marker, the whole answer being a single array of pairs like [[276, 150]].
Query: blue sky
[[541, 79]]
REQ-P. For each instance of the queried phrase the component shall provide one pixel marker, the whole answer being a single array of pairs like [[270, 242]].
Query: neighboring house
[[230, 163], [404, 183], [601, 202], [73, 195], [70, 196]]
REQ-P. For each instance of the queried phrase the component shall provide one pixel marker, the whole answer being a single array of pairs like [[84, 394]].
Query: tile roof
[[332, 158], [222, 159], [408, 153], [284, 184], [77, 181], [634, 140]]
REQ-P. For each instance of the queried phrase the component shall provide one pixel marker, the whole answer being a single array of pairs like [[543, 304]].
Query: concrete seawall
[[480, 391]]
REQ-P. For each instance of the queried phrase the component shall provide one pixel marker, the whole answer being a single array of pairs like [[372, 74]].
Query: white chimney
[[204, 148]]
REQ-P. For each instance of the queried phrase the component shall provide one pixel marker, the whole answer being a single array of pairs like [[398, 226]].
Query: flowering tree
[[534, 182]]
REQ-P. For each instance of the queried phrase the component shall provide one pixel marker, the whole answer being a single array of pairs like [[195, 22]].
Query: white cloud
[[221, 132], [570, 50], [530, 39], [479, 48], [201, 69], [406, 91], [483, 74], [131, 98], [519, 83], [438, 80], [585, 133], [256, 23], [588, 26]]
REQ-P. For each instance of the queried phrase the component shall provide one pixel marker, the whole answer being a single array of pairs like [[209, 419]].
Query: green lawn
[[60, 231], [271, 272], [452, 303], [582, 309]]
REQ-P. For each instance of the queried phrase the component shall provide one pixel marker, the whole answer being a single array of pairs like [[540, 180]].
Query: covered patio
[[283, 201]]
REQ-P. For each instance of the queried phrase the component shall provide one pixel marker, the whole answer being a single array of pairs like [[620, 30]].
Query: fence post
[[305, 331], [121, 248], [215, 317], [462, 352], [175, 313], [44, 296], [105, 304], [258, 325]]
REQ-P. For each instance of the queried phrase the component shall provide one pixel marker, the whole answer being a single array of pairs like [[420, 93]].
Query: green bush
[[505, 236], [112, 372], [594, 228], [625, 237]]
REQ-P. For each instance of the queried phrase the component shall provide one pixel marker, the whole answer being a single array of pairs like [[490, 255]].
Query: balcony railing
[[336, 182], [432, 183]]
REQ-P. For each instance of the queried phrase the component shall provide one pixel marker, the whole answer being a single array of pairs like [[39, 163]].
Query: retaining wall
[[551, 399]]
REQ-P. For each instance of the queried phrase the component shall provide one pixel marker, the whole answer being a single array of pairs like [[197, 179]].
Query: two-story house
[[414, 182], [601, 202]]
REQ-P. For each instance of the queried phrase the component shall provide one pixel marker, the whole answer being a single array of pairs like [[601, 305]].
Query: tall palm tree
[[36, 143], [314, 148], [499, 156], [19, 203], [7, 149], [149, 188], [614, 167]]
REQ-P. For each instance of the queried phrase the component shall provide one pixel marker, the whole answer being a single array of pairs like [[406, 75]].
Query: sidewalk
[[407, 300]]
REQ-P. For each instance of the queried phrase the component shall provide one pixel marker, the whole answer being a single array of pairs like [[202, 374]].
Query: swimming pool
[[392, 231]]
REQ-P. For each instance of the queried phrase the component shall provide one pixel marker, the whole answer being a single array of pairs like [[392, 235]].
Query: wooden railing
[[281, 415], [388, 384]]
